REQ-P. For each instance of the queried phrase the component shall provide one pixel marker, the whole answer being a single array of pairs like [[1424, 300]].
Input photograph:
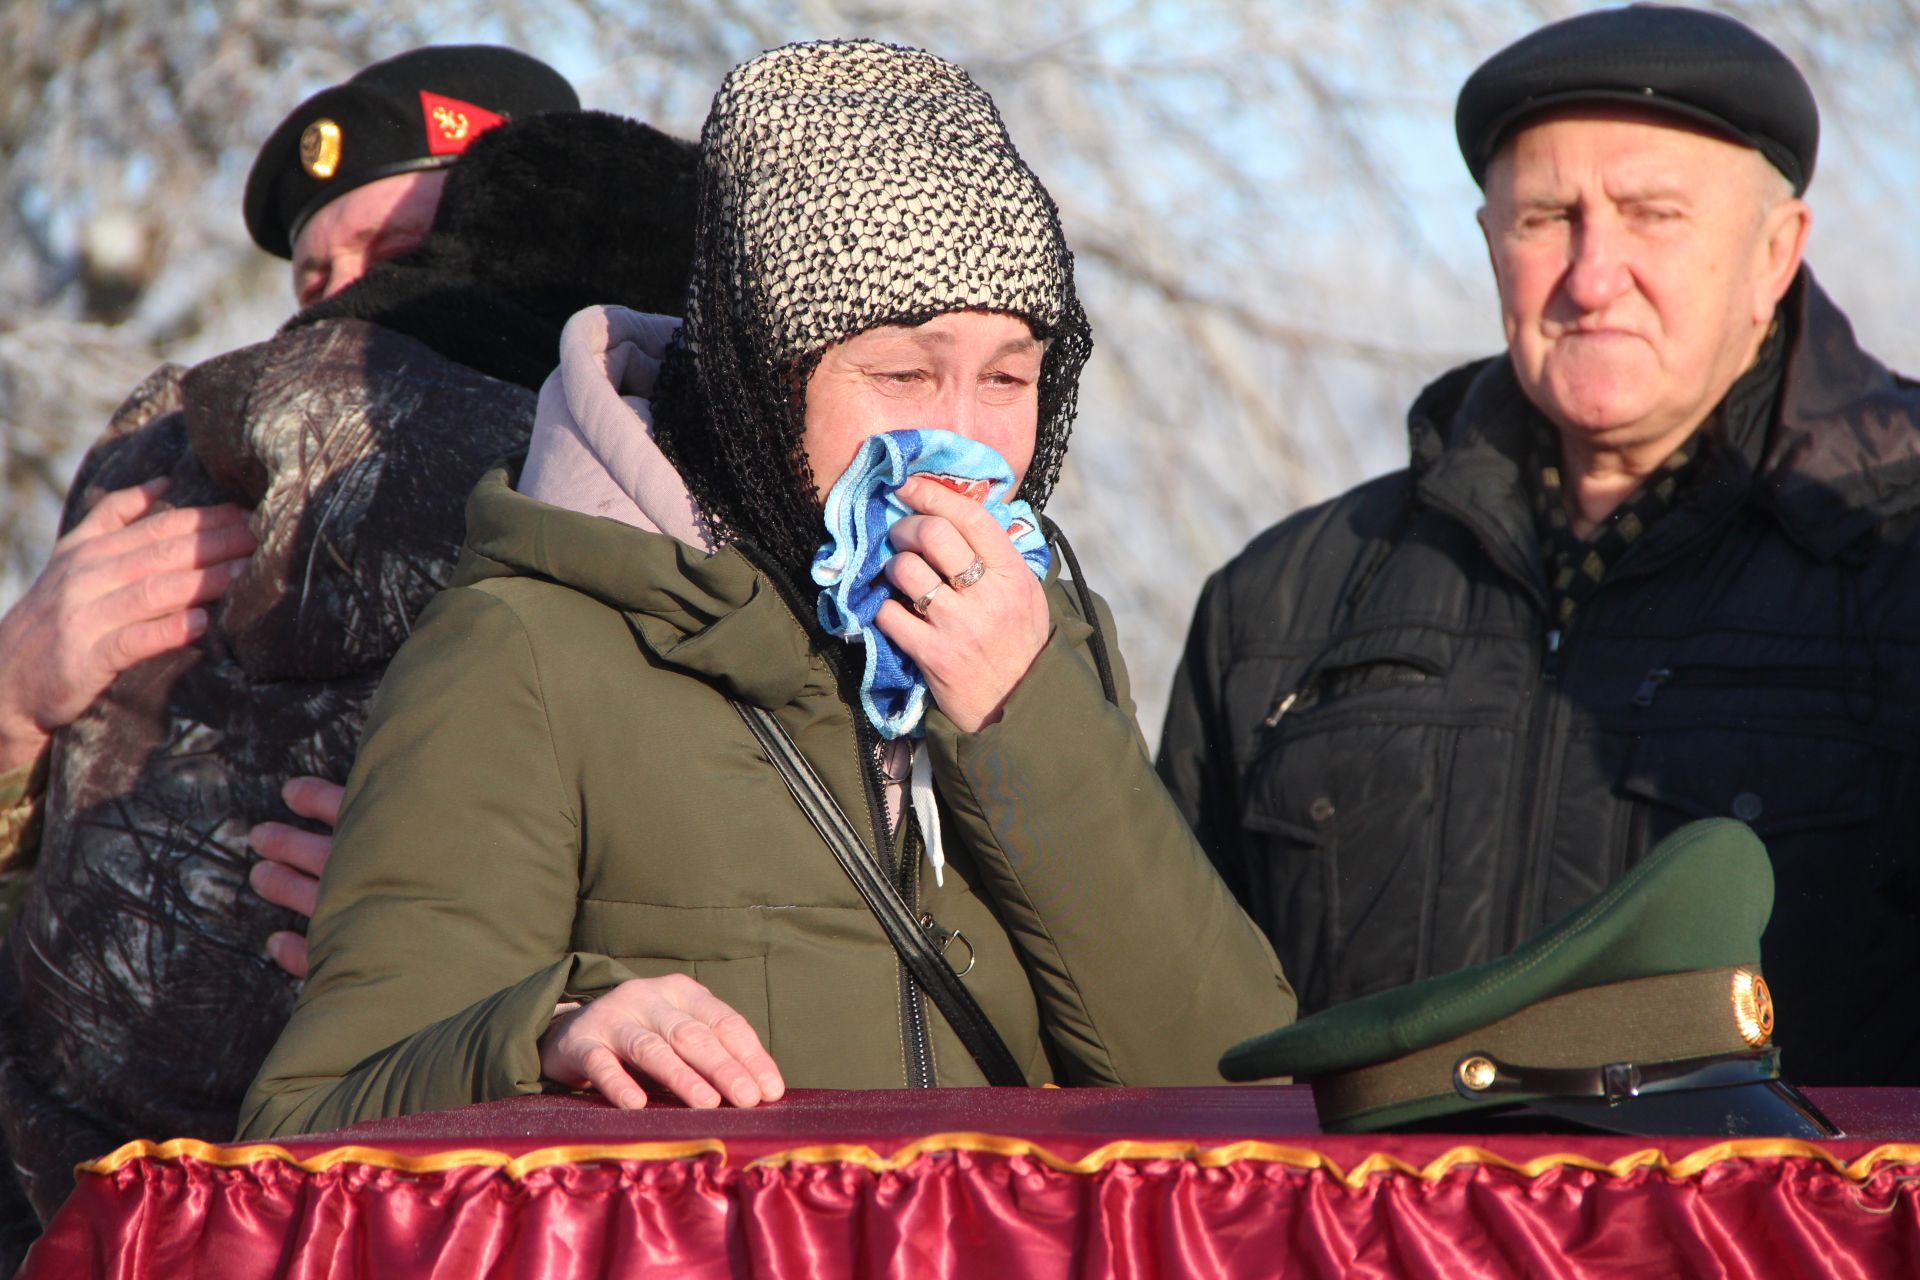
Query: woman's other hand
[[975, 642], [672, 1030], [288, 874]]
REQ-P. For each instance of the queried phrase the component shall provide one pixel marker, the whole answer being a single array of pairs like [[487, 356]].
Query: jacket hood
[[1841, 456], [603, 511], [1844, 454], [716, 616], [593, 448]]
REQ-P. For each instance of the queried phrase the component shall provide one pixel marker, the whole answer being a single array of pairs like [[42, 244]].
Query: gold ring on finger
[[920, 605], [969, 575]]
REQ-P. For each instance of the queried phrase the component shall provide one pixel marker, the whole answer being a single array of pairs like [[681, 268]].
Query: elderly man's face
[[369, 224], [974, 373], [1638, 263]]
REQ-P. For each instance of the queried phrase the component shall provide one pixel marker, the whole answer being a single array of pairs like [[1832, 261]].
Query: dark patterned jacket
[[135, 997], [1399, 779]]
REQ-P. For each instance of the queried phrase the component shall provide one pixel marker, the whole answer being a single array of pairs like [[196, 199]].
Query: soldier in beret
[[350, 178], [144, 978], [1654, 563]]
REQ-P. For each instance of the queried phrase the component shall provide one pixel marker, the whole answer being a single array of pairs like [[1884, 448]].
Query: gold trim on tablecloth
[[1689, 1166]]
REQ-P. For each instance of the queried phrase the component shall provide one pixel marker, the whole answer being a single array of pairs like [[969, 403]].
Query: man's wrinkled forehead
[[1652, 152]]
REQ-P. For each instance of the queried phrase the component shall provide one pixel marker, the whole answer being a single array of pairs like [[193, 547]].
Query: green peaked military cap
[[1643, 1011]]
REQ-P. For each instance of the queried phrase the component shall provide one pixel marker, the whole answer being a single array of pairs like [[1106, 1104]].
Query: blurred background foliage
[[1274, 232]]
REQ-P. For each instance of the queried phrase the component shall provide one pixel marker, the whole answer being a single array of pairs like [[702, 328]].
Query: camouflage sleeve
[[21, 790]]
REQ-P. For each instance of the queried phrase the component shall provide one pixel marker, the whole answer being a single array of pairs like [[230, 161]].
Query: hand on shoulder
[[125, 584]]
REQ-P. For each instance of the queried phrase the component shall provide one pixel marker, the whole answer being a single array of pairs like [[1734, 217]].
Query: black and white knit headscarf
[[846, 185]]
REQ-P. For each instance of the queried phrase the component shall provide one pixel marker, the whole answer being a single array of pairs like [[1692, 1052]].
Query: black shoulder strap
[[1101, 661], [924, 959]]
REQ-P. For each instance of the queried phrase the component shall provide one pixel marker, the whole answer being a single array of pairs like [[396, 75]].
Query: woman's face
[[974, 373]]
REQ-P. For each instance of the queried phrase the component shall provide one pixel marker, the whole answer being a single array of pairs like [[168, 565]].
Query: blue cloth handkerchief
[[861, 508]]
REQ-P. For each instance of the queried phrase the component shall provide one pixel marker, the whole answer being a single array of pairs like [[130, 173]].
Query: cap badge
[[1752, 1007], [451, 124], [1477, 1072], [320, 149]]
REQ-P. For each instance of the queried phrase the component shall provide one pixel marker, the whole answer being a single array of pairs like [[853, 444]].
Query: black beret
[[1703, 67], [415, 111]]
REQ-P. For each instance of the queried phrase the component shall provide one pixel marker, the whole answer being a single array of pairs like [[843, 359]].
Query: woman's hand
[[673, 1030], [972, 642], [288, 874]]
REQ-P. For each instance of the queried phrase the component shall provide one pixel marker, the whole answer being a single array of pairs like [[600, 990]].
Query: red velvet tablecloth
[[1001, 1183]]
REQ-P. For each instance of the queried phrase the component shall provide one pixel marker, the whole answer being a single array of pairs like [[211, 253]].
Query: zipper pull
[[1281, 708], [1650, 685], [1550, 664]]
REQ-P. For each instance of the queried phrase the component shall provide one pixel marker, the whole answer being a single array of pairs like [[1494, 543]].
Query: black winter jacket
[[1399, 779]]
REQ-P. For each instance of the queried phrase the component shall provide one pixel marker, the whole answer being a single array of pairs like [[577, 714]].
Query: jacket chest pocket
[[1779, 784], [1343, 817], [1788, 749], [1836, 799]]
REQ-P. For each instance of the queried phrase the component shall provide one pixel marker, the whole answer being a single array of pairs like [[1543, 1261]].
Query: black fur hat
[[544, 216], [574, 209]]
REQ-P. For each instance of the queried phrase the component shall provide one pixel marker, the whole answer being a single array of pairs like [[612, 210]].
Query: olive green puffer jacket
[[553, 795]]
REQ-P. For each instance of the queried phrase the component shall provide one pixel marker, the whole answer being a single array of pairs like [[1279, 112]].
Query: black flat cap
[[1702, 67], [415, 111]]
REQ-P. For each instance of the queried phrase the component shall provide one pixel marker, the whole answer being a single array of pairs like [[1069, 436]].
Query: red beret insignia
[[452, 124]]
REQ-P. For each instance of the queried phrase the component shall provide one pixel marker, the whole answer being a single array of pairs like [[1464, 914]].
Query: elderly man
[[1657, 563], [350, 178]]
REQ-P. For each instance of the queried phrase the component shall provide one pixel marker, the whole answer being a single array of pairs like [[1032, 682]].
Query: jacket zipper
[[1533, 799], [916, 1045], [1308, 692], [1815, 678], [1540, 779], [915, 1042], [920, 1072], [1540, 775]]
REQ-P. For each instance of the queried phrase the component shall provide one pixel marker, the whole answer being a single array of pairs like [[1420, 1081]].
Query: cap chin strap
[[1480, 1077], [1586, 1094]]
